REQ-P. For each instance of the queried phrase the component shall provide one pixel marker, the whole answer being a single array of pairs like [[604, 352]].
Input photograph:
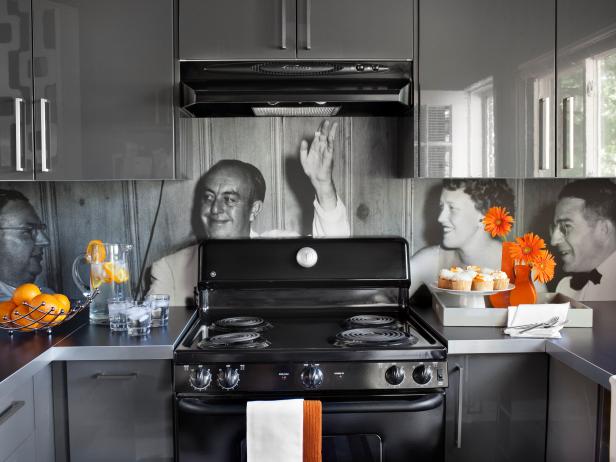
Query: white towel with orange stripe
[[283, 431]]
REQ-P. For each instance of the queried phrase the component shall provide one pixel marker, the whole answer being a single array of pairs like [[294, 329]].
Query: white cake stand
[[470, 298]]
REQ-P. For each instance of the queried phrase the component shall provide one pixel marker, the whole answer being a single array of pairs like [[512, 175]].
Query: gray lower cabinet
[[17, 422], [496, 408], [119, 410]]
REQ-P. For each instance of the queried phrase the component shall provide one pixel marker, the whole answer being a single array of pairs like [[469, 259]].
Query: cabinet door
[[104, 74], [496, 408], [485, 68], [16, 158], [237, 29], [355, 29], [586, 69], [120, 410]]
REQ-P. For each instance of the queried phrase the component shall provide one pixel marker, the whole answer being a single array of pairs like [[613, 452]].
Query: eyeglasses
[[561, 226], [33, 228]]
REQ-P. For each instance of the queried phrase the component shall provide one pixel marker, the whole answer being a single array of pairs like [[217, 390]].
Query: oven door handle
[[424, 403]]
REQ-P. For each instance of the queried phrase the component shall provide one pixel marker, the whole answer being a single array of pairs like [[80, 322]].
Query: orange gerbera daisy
[[543, 267], [527, 248], [497, 221]]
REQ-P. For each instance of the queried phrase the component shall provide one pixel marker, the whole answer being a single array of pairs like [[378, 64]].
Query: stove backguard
[[303, 273]]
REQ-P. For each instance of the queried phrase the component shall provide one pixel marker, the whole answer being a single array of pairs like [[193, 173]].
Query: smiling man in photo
[[22, 241], [584, 236], [228, 199]]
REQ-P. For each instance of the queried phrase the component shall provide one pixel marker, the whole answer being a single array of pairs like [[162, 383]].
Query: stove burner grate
[[242, 340], [374, 337], [370, 320], [245, 323]]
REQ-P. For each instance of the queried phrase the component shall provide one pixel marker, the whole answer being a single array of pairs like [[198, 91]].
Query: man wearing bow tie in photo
[[584, 237]]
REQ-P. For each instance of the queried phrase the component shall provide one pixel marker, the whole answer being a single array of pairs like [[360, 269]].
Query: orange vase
[[524, 291], [501, 299]]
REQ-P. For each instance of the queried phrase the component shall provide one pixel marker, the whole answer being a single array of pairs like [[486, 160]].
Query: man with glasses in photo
[[584, 237], [22, 241]]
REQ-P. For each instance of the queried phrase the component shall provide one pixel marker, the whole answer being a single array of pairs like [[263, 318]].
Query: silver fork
[[541, 325]]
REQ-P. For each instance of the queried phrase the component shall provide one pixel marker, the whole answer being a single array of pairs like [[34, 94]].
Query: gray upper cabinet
[[355, 29], [237, 29], [585, 101], [103, 89], [16, 150], [484, 68], [266, 29]]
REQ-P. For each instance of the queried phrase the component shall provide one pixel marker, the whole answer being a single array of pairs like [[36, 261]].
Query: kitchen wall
[[378, 202]]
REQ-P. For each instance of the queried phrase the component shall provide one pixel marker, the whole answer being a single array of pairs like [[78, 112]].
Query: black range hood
[[292, 88]]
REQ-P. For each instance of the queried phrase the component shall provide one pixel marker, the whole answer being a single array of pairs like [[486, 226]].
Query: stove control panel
[[297, 377]]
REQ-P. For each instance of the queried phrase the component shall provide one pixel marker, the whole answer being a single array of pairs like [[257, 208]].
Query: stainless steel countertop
[[589, 351], [24, 354]]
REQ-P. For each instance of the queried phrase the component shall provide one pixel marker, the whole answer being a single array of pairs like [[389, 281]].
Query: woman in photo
[[463, 203]]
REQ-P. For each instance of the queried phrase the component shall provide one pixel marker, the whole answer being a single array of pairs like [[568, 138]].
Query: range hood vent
[[237, 89]]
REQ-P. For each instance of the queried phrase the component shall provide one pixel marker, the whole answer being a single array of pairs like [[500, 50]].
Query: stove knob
[[422, 374], [228, 378], [200, 378], [394, 375], [312, 377]]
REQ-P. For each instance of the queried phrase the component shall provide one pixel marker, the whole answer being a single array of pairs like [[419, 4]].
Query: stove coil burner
[[371, 337], [243, 323], [371, 320], [232, 340]]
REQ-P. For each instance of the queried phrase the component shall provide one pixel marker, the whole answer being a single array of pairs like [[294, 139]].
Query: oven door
[[377, 429]]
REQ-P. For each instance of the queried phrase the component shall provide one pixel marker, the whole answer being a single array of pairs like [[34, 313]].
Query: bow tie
[[579, 280]]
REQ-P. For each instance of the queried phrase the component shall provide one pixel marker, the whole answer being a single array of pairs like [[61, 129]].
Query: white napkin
[[529, 314], [613, 421], [275, 431]]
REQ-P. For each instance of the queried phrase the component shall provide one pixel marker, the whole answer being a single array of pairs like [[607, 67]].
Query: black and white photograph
[[307, 230]]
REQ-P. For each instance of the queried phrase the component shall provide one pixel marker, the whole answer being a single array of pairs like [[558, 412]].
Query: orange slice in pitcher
[[95, 252], [114, 272]]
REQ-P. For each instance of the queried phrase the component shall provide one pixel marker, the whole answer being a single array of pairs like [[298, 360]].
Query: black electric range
[[322, 319]]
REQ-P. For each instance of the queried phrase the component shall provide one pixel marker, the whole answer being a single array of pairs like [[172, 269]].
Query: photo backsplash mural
[[439, 218]]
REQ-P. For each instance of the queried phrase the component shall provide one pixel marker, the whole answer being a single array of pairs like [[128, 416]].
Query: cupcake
[[501, 280], [483, 282], [444, 278], [475, 268], [462, 280]]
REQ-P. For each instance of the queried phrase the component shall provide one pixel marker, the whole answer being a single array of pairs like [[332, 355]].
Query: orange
[[63, 302], [26, 323], [97, 276], [95, 252], [47, 308], [25, 293], [5, 310], [115, 273]]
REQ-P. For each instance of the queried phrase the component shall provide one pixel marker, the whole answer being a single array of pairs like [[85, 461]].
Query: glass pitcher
[[109, 272]]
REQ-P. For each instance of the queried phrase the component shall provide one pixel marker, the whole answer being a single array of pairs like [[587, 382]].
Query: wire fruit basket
[[38, 318]]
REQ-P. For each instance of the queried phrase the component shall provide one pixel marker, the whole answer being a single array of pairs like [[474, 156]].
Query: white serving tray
[[446, 309]]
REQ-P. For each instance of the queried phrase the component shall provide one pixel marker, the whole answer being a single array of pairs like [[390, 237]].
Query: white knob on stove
[[307, 257]]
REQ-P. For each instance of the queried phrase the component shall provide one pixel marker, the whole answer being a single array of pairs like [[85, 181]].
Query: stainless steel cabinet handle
[[103, 376], [568, 104], [460, 406], [45, 159], [544, 133], [11, 410], [283, 24], [308, 32], [19, 132]]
